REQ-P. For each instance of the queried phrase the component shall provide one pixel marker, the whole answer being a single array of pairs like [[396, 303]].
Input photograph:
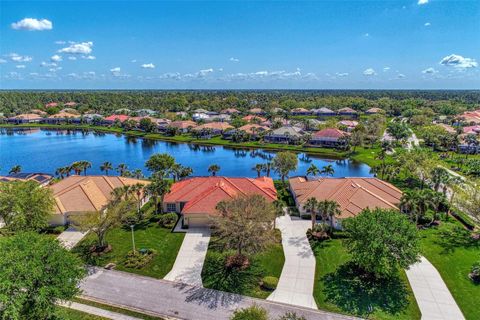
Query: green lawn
[[147, 235], [267, 263], [453, 254], [70, 314], [116, 309], [339, 289]]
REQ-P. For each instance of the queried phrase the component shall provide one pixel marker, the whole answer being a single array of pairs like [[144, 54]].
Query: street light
[[133, 238]]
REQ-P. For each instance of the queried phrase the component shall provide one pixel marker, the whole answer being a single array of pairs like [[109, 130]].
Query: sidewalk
[[70, 237], [97, 311]]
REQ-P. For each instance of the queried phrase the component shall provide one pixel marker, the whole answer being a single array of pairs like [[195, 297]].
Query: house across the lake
[[286, 134], [329, 137], [41, 178], [25, 118], [197, 198], [78, 194], [352, 194]]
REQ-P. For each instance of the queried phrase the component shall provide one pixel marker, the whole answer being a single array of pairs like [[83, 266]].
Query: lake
[[42, 150]]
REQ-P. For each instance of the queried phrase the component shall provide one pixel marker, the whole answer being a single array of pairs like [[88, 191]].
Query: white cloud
[[385, 69], [32, 24], [369, 72], [422, 2], [78, 48], [3, 61], [401, 76], [458, 61], [20, 66], [234, 59], [89, 57], [56, 58], [204, 72], [18, 58], [429, 71], [427, 24], [115, 71], [55, 69], [341, 74], [72, 58], [148, 66], [46, 64], [60, 42]]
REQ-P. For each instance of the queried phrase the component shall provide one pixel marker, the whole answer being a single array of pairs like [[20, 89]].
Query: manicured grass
[[335, 291], [148, 236], [116, 309], [70, 314], [453, 253], [267, 263]]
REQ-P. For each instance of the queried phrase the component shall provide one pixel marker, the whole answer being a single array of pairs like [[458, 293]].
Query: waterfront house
[[329, 137], [352, 195], [348, 125], [347, 112], [323, 112], [252, 129], [286, 134], [309, 124], [42, 179], [300, 112], [25, 118], [78, 194], [207, 130], [92, 118], [196, 198], [115, 117], [183, 126], [374, 111], [62, 117]]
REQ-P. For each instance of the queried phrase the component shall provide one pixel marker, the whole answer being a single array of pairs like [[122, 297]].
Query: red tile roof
[[329, 133], [250, 118], [120, 117], [202, 194], [183, 124], [222, 126]]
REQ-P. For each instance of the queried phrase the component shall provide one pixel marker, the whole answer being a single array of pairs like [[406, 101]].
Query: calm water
[[45, 150]]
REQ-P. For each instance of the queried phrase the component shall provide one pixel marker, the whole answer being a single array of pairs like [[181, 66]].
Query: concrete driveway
[[191, 256], [71, 237], [295, 285], [433, 297]]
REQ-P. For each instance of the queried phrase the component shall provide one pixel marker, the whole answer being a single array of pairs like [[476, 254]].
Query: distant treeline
[[394, 102]]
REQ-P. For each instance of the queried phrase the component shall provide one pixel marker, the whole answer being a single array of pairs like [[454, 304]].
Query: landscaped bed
[[453, 252], [148, 235], [338, 289], [268, 263]]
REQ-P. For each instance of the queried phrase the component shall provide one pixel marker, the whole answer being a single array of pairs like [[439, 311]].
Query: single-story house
[[25, 118], [286, 134], [183, 126], [70, 104], [257, 111], [329, 137], [347, 112], [374, 111], [197, 116], [116, 117], [470, 117], [324, 112], [300, 112], [62, 117], [51, 105], [230, 111], [212, 129], [472, 130], [41, 178], [352, 194], [78, 194], [92, 118], [221, 117], [253, 118], [196, 198], [348, 124], [252, 129]]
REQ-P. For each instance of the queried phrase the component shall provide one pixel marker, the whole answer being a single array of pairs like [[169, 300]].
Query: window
[[171, 207]]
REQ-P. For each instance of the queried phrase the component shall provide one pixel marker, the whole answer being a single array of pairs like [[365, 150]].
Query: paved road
[[165, 298], [433, 297], [70, 237], [190, 258], [97, 311], [295, 285]]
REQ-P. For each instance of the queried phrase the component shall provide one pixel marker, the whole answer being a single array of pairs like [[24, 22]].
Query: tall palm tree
[[258, 168], [328, 170], [313, 170], [106, 166], [138, 174], [328, 210], [157, 189], [267, 167], [311, 206], [77, 167], [60, 172], [85, 165], [278, 205], [122, 168], [15, 169], [185, 172], [137, 190], [214, 169], [453, 184], [439, 177]]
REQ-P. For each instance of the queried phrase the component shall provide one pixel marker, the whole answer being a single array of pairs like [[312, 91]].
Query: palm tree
[[328, 170], [267, 167], [158, 188], [77, 167], [278, 205], [454, 183], [310, 206], [106, 166], [259, 168], [60, 172], [184, 172], [138, 174], [439, 177], [122, 168], [15, 169], [313, 170], [137, 191], [85, 165], [329, 209], [214, 169]]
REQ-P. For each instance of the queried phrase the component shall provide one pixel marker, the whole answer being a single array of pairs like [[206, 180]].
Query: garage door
[[198, 221]]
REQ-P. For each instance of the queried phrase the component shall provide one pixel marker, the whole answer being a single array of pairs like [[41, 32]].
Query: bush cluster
[[168, 220], [139, 259]]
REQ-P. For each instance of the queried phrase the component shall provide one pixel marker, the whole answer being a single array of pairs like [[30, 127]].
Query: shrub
[[320, 232], [291, 316], [168, 220], [139, 259], [269, 283], [475, 272], [251, 313]]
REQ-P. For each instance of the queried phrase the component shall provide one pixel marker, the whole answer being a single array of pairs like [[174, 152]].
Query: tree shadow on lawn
[[455, 237], [354, 292]]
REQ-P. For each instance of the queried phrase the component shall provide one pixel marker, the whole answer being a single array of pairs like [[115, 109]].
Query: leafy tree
[[398, 130], [255, 215], [382, 241], [25, 206], [213, 169], [36, 273], [160, 163], [251, 313], [284, 162], [106, 166], [147, 125]]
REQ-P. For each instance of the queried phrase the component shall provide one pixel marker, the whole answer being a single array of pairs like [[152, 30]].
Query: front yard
[[148, 235], [268, 263], [339, 289], [452, 251]]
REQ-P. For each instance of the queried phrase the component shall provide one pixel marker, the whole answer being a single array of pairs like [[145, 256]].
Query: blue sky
[[424, 44]]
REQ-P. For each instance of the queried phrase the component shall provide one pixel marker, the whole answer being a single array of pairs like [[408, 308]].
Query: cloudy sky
[[423, 44]]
